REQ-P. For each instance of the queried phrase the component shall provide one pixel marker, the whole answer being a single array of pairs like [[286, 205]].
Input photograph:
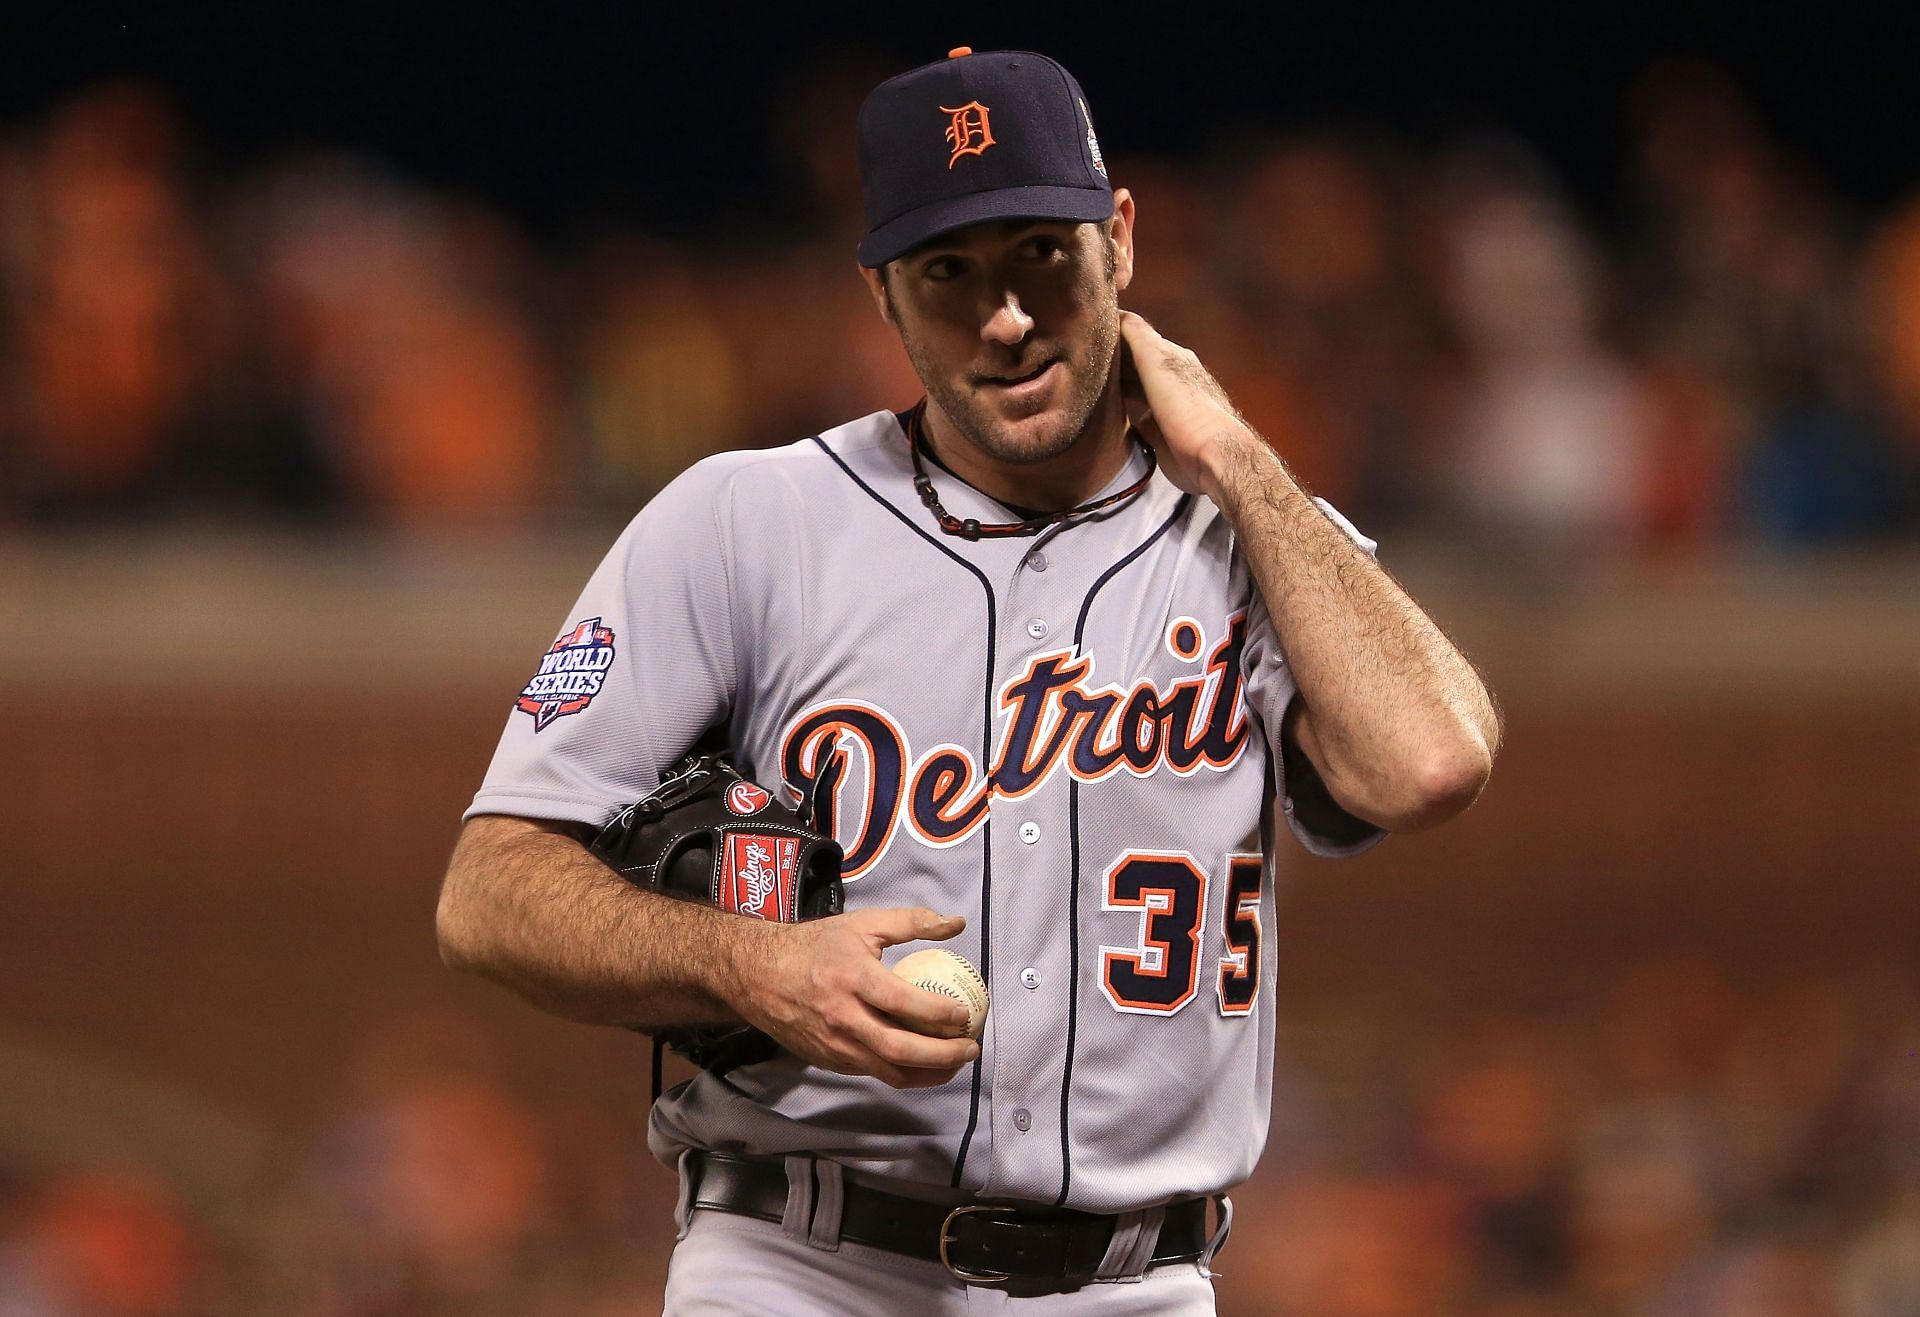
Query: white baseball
[[951, 975]]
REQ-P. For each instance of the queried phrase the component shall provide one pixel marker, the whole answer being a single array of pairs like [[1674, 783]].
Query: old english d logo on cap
[[976, 137], [969, 131]]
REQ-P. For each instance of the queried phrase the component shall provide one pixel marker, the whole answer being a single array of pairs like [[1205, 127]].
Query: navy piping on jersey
[[1073, 886], [986, 757]]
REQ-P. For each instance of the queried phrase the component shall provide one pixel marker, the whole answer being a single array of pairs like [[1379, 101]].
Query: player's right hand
[[823, 994]]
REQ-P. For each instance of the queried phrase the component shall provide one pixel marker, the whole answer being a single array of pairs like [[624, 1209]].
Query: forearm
[[532, 909], [1397, 720]]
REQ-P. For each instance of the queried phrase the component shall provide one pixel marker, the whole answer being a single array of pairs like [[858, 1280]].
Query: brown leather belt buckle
[[947, 1237]]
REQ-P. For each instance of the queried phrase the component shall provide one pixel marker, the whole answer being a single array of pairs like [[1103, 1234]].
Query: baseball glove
[[707, 834]]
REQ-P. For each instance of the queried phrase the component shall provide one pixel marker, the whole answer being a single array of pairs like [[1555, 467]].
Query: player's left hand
[[1178, 407]]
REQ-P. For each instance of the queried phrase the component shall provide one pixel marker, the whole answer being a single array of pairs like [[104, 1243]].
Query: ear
[[878, 292], [1120, 234]]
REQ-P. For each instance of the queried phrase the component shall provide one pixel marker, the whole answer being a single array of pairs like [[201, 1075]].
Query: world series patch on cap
[[1002, 134]]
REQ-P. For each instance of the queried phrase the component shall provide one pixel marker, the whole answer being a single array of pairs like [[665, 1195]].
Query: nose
[[1007, 322]]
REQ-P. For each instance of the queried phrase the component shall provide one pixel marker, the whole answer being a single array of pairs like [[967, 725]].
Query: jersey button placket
[[1029, 841]]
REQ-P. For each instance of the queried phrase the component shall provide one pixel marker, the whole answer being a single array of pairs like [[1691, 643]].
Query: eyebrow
[[947, 242]]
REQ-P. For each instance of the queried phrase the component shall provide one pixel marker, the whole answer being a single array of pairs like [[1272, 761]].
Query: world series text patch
[[571, 674]]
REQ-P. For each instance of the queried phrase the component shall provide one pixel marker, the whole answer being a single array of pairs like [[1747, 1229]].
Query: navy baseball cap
[[1003, 134]]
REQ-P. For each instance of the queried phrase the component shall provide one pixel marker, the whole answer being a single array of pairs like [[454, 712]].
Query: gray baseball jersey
[[1072, 739]]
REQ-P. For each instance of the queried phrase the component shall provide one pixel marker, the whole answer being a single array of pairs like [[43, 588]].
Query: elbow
[[455, 930], [1450, 782], [467, 920], [455, 952], [1444, 784]]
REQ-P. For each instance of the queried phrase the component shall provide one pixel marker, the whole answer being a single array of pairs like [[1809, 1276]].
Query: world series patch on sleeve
[[571, 674], [709, 835]]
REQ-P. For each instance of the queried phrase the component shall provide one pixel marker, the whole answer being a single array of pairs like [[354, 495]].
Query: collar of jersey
[[988, 508]]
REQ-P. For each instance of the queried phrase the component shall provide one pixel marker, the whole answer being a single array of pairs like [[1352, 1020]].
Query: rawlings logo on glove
[[753, 881], [707, 834]]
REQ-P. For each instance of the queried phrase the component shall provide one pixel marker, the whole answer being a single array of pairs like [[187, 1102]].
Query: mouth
[[1019, 386]]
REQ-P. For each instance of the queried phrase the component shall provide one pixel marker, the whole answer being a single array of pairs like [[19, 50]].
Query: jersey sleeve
[[642, 668], [1270, 691]]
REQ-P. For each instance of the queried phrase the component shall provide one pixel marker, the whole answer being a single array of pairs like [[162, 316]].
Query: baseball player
[[1055, 648]]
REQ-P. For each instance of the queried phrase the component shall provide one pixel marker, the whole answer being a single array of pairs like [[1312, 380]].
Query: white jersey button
[[1030, 977], [1029, 832], [1037, 629], [1037, 561], [1021, 1120]]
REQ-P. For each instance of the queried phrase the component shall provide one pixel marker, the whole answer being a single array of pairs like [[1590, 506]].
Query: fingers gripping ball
[[951, 975]]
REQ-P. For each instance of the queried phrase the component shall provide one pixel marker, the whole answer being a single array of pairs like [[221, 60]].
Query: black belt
[[1034, 1249]]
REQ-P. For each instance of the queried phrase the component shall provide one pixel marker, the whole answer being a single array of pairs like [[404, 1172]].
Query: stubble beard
[[980, 426]]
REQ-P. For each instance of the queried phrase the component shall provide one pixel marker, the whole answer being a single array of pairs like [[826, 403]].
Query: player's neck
[[1074, 477]]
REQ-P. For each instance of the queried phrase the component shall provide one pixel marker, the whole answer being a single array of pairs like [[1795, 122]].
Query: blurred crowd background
[[1640, 1037], [1695, 1146], [1435, 335], [1694, 1149]]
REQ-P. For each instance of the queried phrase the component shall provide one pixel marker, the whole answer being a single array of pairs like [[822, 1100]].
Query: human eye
[[1044, 246], [942, 268]]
